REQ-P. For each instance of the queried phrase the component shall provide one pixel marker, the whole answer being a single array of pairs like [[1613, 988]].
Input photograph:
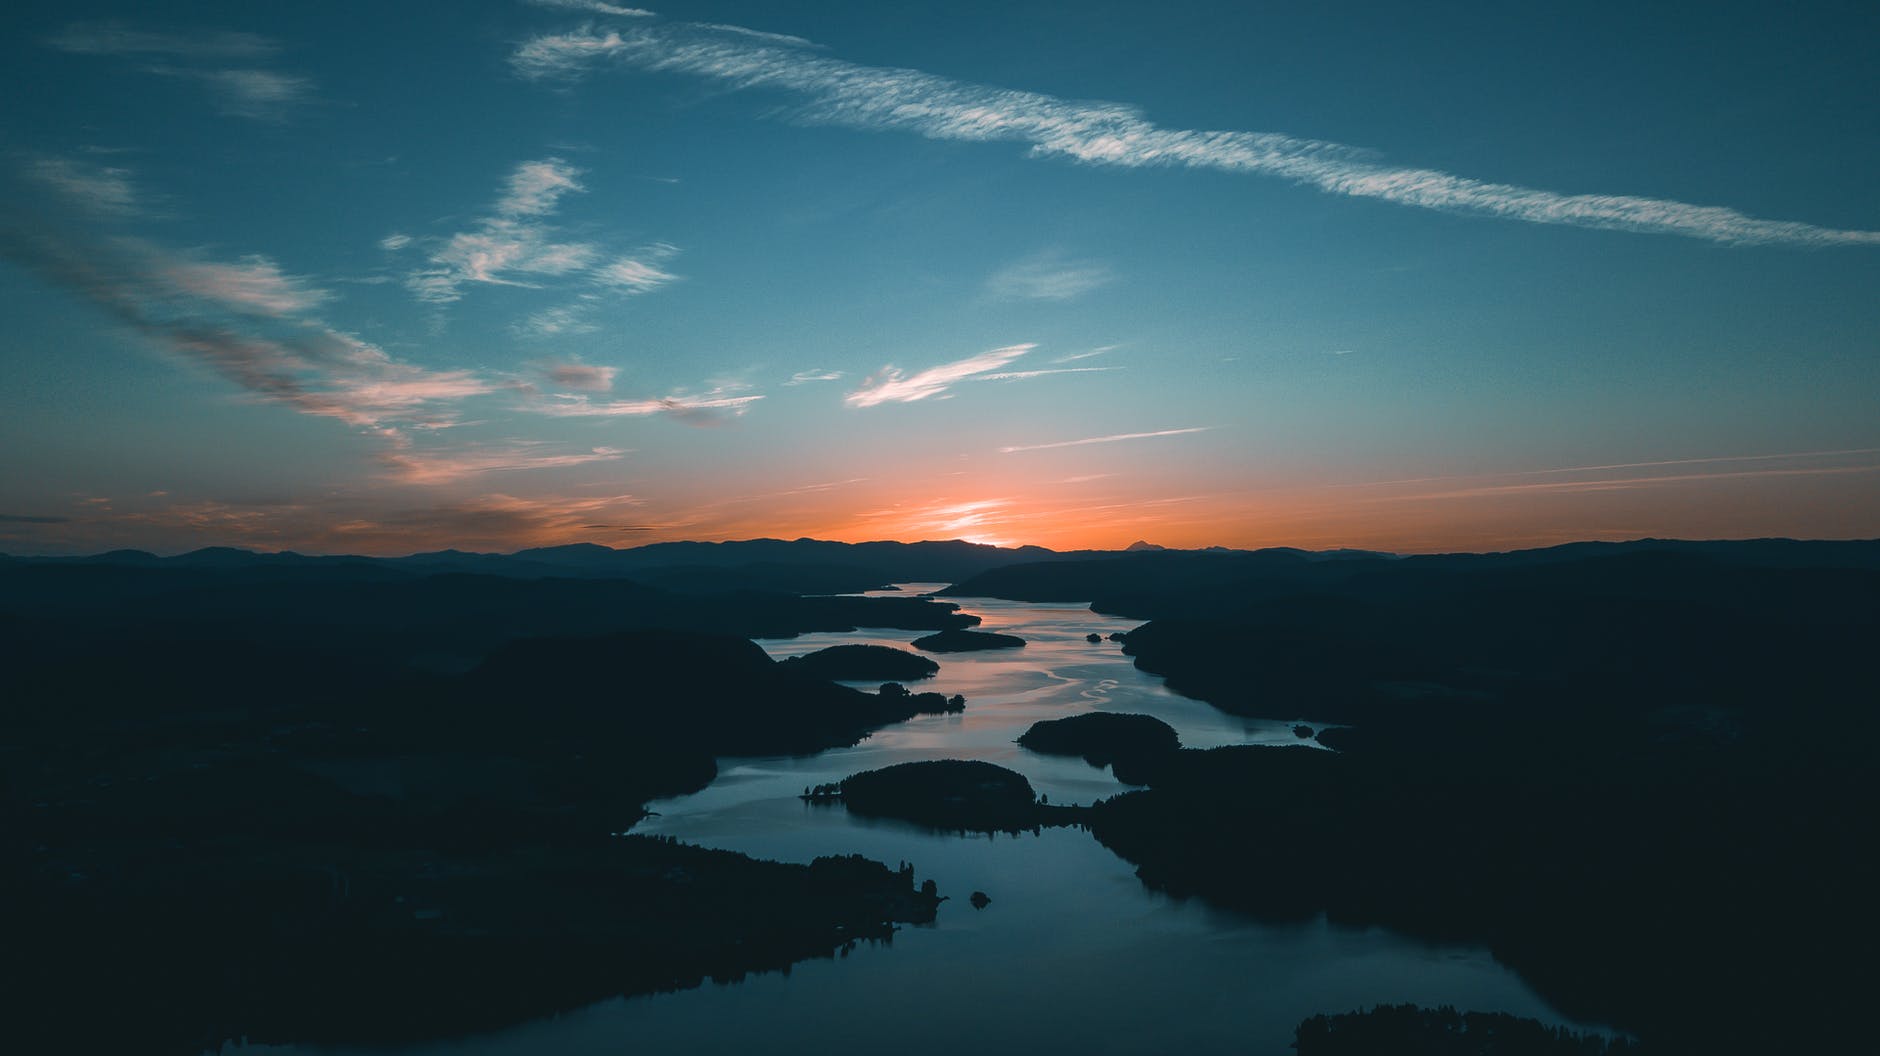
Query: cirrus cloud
[[516, 246], [1048, 277], [879, 98], [891, 385], [246, 90], [1110, 439]]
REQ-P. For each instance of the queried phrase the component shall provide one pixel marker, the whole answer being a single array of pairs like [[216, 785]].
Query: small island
[[896, 696], [949, 794], [961, 641], [1132, 745], [864, 663]]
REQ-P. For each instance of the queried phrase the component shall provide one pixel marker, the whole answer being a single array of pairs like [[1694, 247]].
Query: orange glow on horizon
[[1835, 499]]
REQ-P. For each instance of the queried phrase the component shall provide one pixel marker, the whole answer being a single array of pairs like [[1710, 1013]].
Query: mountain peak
[[1140, 545]]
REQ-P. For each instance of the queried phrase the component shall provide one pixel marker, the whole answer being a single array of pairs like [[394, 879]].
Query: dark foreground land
[[1642, 774], [252, 796], [337, 806]]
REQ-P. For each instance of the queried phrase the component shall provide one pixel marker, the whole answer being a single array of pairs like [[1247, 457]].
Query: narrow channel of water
[[1072, 955]]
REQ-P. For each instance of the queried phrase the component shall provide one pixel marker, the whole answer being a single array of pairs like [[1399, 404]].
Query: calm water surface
[[1073, 954]]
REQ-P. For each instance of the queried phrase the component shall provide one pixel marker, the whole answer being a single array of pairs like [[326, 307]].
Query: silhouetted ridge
[[1754, 553], [396, 617], [124, 557], [227, 555], [1148, 571], [859, 663], [890, 561], [1135, 584]]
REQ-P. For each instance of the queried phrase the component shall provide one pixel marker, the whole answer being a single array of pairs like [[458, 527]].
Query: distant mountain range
[[813, 566], [790, 565]]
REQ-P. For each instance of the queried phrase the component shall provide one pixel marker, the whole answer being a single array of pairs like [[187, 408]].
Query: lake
[[1072, 953]]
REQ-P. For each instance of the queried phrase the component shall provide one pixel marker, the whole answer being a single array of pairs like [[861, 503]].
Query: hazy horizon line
[[1149, 548]]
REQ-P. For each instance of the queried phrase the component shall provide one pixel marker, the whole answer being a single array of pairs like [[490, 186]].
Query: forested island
[[947, 794], [865, 663], [964, 641], [1133, 746]]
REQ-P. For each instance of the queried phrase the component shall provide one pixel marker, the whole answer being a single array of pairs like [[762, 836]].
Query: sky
[[393, 277]]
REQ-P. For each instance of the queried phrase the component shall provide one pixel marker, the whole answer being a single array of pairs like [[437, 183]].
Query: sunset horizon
[[735, 272], [1007, 526], [578, 540]]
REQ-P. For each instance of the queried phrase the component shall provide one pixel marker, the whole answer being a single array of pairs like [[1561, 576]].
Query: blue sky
[[387, 277]]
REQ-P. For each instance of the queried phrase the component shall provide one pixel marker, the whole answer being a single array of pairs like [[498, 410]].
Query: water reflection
[[1072, 954]]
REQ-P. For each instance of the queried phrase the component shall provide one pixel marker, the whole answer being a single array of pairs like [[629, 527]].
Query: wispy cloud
[[448, 467], [536, 187], [708, 409], [246, 321], [1048, 277], [119, 38], [1111, 439], [1781, 457], [516, 246], [1626, 476], [500, 250], [260, 94], [891, 385], [594, 7], [804, 377], [361, 523], [827, 485], [758, 34], [243, 91], [1786, 456], [845, 93], [495, 521], [582, 376], [1020, 375], [942, 520], [102, 189], [640, 273], [558, 320], [1633, 482], [1091, 354], [255, 285]]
